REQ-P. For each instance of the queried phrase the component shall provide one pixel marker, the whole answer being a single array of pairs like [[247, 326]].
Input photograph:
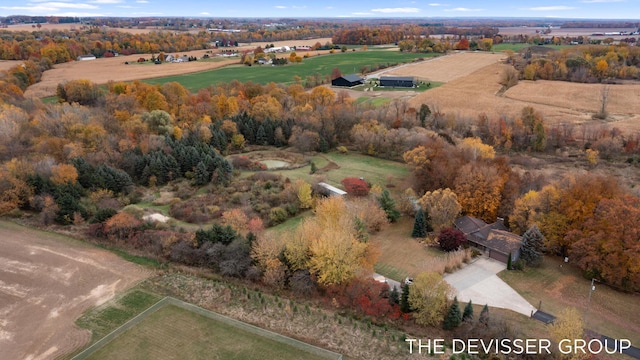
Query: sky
[[581, 9]]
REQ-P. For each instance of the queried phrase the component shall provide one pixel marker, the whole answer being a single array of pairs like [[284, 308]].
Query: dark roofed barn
[[398, 81], [347, 81]]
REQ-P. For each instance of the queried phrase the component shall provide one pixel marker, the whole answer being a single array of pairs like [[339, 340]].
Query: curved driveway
[[479, 283]]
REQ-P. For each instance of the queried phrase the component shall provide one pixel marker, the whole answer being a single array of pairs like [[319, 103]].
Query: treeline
[[61, 45], [368, 36], [583, 64]]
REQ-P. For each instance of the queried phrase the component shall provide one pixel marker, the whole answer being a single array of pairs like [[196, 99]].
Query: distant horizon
[[585, 10]]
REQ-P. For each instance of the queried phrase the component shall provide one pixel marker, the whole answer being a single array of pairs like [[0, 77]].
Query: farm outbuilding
[[494, 239], [398, 81], [347, 81], [86, 57]]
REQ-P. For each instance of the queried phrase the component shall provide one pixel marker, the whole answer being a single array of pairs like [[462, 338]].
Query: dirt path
[[46, 282]]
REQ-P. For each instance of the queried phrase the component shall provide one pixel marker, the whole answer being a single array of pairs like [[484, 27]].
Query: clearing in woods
[[47, 282]]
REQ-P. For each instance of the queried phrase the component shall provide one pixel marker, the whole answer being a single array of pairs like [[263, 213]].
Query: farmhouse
[[86, 57], [398, 81], [347, 81], [495, 239]]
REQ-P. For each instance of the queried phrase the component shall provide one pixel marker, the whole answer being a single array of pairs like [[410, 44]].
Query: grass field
[[558, 285], [174, 332], [348, 63], [400, 254]]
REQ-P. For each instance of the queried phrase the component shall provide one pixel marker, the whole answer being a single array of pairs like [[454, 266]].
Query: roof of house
[[397, 78], [494, 236], [503, 241], [352, 78]]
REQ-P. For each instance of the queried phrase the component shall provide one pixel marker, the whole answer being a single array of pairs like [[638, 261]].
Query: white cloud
[[106, 1], [66, 5], [550, 8], [204, 13], [396, 10], [299, 7], [142, 1], [329, 7], [280, 7], [437, 4], [361, 13], [463, 9]]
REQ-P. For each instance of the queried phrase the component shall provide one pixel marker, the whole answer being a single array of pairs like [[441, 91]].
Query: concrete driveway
[[479, 283]]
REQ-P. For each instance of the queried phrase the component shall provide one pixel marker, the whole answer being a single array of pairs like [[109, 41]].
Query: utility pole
[[591, 289]]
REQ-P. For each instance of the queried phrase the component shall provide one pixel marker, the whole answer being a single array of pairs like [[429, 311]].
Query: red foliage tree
[[355, 186], [451, 239]]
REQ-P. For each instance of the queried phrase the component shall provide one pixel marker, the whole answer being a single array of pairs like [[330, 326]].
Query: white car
[[408, 281]]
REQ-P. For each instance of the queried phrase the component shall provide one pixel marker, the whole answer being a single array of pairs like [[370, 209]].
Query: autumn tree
[[159, 121], [606, 246], [569, 325], [479, 189], [428, 298], [532, 246], [335, 73], [64, 173], [442, 206], [236, 218], [451, 239], [83, 92]]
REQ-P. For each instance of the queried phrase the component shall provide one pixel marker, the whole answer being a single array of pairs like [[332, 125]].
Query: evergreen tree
[[427, 220], [467, 315], [202, 175], [314, 168], [423, 113], [509, 262], [419, 225], [405, 307], [261, 136], [394, 296], [453, 318], [532, 246], [484, 316], [389, 206]]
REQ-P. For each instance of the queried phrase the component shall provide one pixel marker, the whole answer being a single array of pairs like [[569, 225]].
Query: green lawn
[[173, 332], [348, 63], [558, 285]]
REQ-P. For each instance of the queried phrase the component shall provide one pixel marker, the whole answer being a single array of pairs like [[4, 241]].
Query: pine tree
[[467, 315], [314, 168], [389, 206], [509, 262], [405, 307], [532, 246], [394, 296], [419, 225], [484, 316], [453, 318], [202, 175]]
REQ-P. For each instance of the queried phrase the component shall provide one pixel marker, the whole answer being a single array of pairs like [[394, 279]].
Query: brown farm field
[[558, 102], [46, 282], [101, 71], [448, 68]]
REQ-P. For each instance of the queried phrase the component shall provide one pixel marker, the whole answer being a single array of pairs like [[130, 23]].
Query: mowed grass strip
[[106, 318], [176, 333], [558, 285], [348, 63]]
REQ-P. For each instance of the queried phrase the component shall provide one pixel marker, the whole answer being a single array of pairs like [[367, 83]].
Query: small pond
[[275, 164]]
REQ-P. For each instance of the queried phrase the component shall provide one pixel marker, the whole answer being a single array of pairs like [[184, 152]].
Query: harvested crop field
[[449, 67], [558, 102], [8, 64], [47, 282], [101, 71]]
